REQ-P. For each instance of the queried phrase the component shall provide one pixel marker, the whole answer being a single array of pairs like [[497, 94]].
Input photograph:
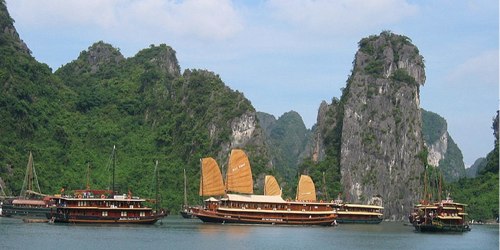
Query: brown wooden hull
[[100, 220], [265, 218]]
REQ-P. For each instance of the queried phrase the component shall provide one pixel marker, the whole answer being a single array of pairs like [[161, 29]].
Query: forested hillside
[[481, 193], [287, 137], [71, 119], [443, 151]]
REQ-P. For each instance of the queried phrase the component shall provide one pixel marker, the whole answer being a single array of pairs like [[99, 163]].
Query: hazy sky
[[291, 54]]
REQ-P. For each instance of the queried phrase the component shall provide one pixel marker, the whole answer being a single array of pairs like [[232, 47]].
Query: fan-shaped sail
[[271, 186], [306, 190], [211, 178], [239, 174]]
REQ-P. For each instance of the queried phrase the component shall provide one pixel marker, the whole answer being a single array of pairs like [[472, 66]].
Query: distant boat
[[442, 216], [358, 213], [105, 207], [31, 203], [186, 210], [247, 208]]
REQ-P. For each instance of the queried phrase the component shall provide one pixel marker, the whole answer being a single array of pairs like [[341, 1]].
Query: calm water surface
[[178, 233]]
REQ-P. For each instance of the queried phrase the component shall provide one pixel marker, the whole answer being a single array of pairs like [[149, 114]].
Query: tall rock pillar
[[381, 133]]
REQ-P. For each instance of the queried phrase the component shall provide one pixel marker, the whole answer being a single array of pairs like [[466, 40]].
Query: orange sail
[[239, 174], [306, 190], [211, 178], [271, 186]]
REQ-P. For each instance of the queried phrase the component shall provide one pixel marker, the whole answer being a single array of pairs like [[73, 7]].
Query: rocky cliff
[[373, 133], [478, 165], [8, 34], [443, 151]]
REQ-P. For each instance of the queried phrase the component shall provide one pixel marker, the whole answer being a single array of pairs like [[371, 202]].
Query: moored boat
[[186, 210], [31, 203], [248, 208], [358, 213], [101, 206], [105, 207], [444, 216], [27, 208], [438, 216]]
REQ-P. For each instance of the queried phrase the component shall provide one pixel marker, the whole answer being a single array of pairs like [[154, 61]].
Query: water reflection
[[231, 230]]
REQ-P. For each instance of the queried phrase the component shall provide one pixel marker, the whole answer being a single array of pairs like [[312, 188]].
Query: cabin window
[[142, 214], [124, 213], [104, 213]]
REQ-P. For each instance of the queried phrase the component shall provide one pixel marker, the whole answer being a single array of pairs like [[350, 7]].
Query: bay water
[[174, 232]]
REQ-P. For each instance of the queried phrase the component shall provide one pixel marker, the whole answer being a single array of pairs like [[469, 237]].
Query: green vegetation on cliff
[[287, 138], [481, 193], [71, 119]]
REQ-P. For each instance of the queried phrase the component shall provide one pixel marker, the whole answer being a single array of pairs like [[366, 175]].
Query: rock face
[[381, 127], [8, 33], [478, 165], [443, 152], [162, 56], [243, 128]]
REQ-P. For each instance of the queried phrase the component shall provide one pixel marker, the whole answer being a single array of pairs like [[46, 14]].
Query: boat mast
[[324, 188], [185, 191], [88, 175], [156, 186], [425, 184], [114, 163], [440, 190], [227, 170], [2, 191], [29, 178]]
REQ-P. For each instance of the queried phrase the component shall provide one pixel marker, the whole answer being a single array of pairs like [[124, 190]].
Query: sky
[[292, 54]]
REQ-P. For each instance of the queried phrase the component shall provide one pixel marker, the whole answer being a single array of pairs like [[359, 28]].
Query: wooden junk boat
[[440, 217], [31, 203], [101, 206], [105, 207], [358, 213], [248, 208]]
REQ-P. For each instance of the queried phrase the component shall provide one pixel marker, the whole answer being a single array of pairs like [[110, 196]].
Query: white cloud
[[66, 12], [205, 19], [479, 70], [202, 19], [351, 16]]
